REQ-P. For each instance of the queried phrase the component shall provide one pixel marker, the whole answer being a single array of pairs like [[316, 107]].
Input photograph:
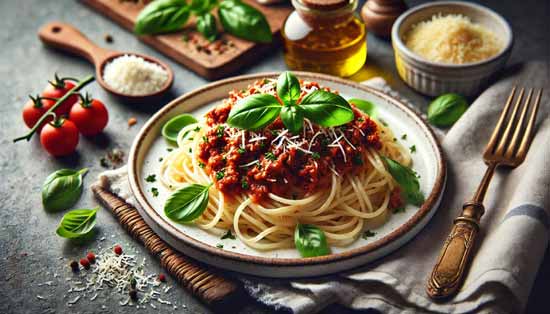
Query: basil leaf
[[172, 127], [202, 6], [187, 203], [62, 189], [288, 88], [326, 109], [254, 112], [407, 180], [162, 16], [446, 109], [310, 241], [206, 25], [244, 21], [365, 106], [292, 118], [77, 223]]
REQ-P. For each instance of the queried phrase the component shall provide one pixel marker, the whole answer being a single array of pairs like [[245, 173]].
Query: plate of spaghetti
[[286, 174]]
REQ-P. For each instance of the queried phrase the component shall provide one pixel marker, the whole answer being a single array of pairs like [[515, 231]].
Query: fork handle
[[449, 270]]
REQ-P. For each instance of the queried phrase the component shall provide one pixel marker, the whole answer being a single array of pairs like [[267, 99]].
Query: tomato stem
[[87, 80]]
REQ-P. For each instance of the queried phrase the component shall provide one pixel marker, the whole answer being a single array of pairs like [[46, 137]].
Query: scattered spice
[[151, 178], [91, 257], [117, 249], [412, 149], [162, 278], [219, 246], [108, 38], [74, 266], [133, 294], [132, 121], [404, 136], [155, 191], [85, 263], [228, 235], [113, 159], [368, 234]]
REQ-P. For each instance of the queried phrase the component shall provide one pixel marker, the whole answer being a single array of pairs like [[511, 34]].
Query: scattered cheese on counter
[[133, 75]]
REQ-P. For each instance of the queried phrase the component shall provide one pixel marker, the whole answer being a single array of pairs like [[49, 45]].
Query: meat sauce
[[273, 160]]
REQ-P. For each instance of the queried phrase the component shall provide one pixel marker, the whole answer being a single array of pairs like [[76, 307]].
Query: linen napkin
[[512, 240]]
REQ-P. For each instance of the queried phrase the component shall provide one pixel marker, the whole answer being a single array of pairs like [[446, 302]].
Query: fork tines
[[513, 128]]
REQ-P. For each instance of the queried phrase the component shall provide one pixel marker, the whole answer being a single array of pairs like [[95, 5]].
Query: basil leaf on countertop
[[292, 118], [172, 127], [310, 241], [254, 112], [77, 223], [206, 25], [288, 88], [187, 203], [365, 106], [244, 21], [326, 109], [446, 109], [407, 180], [162, 16], [62, 189]]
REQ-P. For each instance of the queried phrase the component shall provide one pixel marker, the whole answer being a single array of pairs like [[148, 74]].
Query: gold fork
[[507, 146]]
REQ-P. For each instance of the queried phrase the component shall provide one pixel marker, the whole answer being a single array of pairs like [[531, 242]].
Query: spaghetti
[[268, 181]]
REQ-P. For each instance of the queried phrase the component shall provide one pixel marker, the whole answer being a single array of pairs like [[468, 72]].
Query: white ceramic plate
[[149, 146]]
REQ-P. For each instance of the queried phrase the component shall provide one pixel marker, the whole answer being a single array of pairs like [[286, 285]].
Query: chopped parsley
[[412, 149], [155, 191], [360, 120], [205, 139], [220, 130], [315, 155], [399, 210], [201, 164], [357, 160], [219, 246], [262, 144], [169, 149], [404, 136], [241, 150], [274, 132], [190, 150], [151, 178], [228, 235], [197, 129], [270, 156], [161, 159], [220, 175], [244, 184], [368, 234]]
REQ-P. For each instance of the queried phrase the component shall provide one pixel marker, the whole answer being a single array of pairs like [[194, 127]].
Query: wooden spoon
[[66, 37]]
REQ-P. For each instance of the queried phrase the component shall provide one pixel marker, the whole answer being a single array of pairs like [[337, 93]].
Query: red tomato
[[60, 137], [52, 91], [90, 116], [34, 109]]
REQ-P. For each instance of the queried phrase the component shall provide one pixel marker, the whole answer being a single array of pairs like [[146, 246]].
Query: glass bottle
[[324, 38]]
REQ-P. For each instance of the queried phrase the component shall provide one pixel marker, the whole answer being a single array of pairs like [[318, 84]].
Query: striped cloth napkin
[[512, 241]]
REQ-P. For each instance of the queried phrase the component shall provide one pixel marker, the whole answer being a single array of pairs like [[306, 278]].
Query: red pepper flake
[[85, 263], [132, 121], [117, 249], [74, 266], [91, 257], [162, 278]]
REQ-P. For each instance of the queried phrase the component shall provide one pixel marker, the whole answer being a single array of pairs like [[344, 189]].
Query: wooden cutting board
[[210, 62]]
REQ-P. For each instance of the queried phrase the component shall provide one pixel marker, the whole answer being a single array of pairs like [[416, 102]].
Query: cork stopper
[[325, 5]]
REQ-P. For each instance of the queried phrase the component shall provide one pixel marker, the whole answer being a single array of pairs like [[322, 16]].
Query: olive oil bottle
[[325, 36]]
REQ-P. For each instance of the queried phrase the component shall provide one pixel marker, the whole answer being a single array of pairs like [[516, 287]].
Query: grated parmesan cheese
[[452, 39], [134, 75]]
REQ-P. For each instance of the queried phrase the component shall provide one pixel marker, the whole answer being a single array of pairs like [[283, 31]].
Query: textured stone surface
[[30, 252]]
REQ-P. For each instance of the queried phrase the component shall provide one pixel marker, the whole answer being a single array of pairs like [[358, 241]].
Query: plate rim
[[403, 229]]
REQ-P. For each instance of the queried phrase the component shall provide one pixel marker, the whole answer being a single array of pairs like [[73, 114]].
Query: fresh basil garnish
[[77, 223], [288, 88], [244, 21], [173, 126], [254, 112], [407, 180], [326, 109], [365, 106], [202, 6], [292, 118], [206, 25], [446, 109], [187, 203], [162, 16], [310, 241], [62, 189]]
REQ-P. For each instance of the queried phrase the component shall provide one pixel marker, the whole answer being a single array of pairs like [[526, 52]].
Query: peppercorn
[[91, 257], [117, 249], [74, 266], [133, 294], [162, 277], [85, 263]]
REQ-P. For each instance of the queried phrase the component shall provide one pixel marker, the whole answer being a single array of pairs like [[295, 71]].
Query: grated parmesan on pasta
[[452, 39], [134, 75]]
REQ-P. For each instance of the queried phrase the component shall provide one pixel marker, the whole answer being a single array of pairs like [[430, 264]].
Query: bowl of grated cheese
[[450, 47]]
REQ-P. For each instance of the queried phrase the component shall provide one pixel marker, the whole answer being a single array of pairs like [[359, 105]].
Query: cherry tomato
[[90, 116], [57, 91], [59, 138], [34, 109]]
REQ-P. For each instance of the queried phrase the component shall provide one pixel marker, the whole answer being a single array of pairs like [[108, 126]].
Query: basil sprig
[[236, 17], [62, 189], [259, 110], [77, 223], [407, 180], [310, 241], [172, 127], [162, 16], [446, 109], [187, 203]]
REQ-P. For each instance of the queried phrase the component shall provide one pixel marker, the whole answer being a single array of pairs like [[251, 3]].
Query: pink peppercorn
[[91, 257], [85, 263], [162, 277], [117, 249]]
